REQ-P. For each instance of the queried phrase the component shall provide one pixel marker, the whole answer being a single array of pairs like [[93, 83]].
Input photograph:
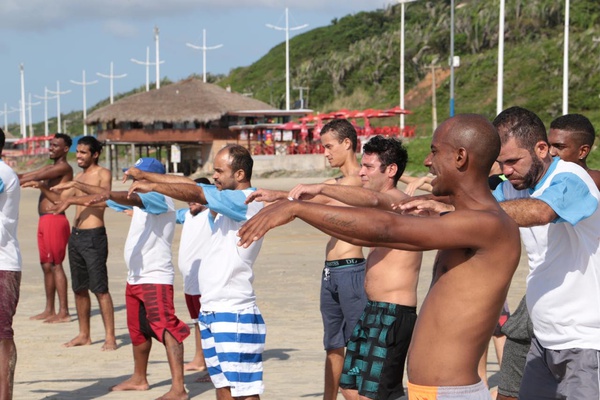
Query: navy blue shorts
[[88, 251], [343, 300]]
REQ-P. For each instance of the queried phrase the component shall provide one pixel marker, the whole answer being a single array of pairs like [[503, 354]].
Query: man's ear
[[239, 175], [542, 149], [461, 157], [392, 169], [583, 152]]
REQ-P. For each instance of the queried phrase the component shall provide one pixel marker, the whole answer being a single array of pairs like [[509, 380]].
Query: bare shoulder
[[353, 180], [595, 174]]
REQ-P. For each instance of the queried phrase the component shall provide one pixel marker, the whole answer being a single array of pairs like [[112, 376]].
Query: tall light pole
[[402, 2], [29, 106], [83, 83], [287, 30], [46, 98], [500, 89], [157, 62], [147, 64], [112, 77], [452, 58], [58, 93], [22, 126], [204, 49], [5, 113], [565, 107]]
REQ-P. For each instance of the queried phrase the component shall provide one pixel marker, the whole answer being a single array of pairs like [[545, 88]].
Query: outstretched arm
[[190, 193], [53, 197], [138, 174], [266, 196], [529, 212], [84, 187], [46, 172], [350, 195]]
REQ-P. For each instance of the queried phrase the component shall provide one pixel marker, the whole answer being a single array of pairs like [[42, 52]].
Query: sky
[[57, 40]]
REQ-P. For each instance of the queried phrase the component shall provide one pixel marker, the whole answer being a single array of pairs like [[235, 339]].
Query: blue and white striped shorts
[[233, 344]]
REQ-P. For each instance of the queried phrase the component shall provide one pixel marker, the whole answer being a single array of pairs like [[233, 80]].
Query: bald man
[[473, 267]]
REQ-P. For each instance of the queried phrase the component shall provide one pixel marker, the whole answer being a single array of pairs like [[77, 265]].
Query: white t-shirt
[[148, 245], [195, 239], [10, 195], [226, 274], [563, 285]]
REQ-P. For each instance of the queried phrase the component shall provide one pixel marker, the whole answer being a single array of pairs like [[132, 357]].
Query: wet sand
[[287, 282]]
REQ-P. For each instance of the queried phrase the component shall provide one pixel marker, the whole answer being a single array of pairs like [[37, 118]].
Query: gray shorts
[[560, 374], [343, 299]]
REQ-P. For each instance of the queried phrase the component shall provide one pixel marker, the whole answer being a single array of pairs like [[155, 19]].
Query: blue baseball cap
[[148, 164]]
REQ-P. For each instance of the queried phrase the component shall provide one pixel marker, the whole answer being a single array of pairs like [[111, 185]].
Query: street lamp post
[[83, 83], [157, 62], [45, 98], [402, 2], [500, 89], [565, 106], [147, 64], [111, 77], [58, 93], [287, 30], [29, 106], [22, 126], [204, 48]]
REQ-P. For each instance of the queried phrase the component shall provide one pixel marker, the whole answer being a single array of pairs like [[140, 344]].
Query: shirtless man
[[88, 244], [53, 230], [473, 268], [383, 333], [342, 287]]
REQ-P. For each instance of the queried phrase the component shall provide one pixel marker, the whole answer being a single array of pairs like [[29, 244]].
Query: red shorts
[[193, 304], [9, 297], [53, 236], [151, 313]]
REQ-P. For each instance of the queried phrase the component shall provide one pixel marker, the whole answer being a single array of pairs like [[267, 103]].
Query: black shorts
[[376, 352], [88, 251]]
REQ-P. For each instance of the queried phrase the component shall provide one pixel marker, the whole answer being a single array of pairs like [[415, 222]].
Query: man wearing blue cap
[[149, 291]]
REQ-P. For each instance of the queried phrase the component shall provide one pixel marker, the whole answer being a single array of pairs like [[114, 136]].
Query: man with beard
[[556, 205], [53, 230], [88, 244]]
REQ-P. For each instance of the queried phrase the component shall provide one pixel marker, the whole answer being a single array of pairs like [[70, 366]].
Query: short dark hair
[[342, 129], [389, 151], [2, 139], [66, 138], [577, 124], [240, 159], [202, 179], [523, 125], [93, 143]]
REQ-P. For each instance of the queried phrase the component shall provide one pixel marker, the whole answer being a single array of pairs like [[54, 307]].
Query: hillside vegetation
[[354, 63]]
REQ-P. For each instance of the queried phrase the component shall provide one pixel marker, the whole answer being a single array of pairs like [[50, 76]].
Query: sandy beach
[[288, 273]]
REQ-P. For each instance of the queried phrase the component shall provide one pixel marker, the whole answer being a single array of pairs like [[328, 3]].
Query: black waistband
[[345, 262], [99, 229]]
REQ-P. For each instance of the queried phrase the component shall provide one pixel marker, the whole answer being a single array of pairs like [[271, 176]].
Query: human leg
[[193, 306], [8, 361], [60, 282], [56, 237], [49, 291], [137, 381], [334, 362], [107, 311], [175, 358], [83, 306]]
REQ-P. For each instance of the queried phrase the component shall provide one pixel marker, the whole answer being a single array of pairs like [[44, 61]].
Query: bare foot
[[109, 345], [58, 319], [42, 315], [172, 395], [78, 341], [131, 384], [192, 366]]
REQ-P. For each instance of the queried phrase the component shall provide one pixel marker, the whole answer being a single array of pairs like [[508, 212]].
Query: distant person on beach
[[149, 289], [570, 139], [342, 288], [376, 351], [473, 268], [53, 230], [195, 237], [233, 351], [88, 244], [10, 272]]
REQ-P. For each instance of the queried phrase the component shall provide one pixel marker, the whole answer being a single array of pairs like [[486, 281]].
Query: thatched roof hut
[[190, 100]]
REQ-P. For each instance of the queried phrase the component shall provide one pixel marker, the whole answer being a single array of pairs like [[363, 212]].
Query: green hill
[[354, 62]]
